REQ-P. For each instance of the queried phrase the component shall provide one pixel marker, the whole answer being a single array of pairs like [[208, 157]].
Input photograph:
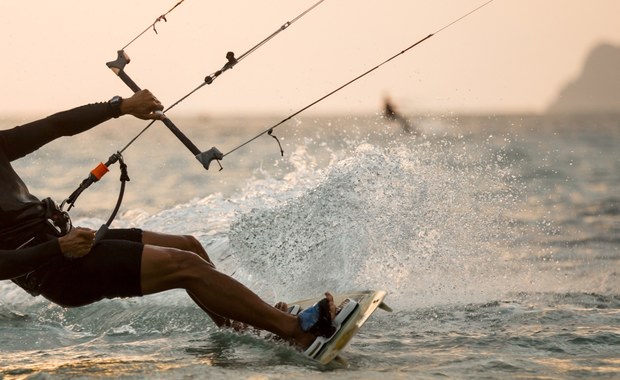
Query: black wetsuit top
[[22, 215]]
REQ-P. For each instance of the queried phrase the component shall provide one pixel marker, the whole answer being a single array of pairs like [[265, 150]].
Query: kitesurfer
[[390, 113], [43, 254]]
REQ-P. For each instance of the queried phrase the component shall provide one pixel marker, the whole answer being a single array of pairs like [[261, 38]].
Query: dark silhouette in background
[[390, 113]]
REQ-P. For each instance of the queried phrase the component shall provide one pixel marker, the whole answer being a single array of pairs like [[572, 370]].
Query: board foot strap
[[347, 309]]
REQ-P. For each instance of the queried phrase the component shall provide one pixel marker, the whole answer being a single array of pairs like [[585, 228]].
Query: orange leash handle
[[99, 171]]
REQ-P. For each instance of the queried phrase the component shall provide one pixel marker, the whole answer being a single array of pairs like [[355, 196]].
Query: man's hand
[[77, 242], [143, 105]]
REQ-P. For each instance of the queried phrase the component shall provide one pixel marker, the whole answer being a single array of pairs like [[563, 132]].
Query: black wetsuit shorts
[[111, 269]]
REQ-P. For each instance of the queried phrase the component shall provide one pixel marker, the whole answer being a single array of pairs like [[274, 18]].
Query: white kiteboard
[[359, 306]]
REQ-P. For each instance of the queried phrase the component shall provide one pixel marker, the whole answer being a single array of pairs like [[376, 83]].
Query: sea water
[[497, 238]]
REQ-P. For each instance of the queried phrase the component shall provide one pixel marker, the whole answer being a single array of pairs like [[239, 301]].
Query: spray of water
[[419, 219]]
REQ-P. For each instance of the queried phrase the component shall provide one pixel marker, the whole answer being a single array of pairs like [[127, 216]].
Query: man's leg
[[191, 244], [184, 242], [170, 268]]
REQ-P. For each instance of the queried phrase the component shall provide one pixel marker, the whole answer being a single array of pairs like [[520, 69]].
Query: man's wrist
[[115, 105]]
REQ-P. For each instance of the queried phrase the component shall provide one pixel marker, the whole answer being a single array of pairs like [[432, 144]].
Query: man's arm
[[29, 137], [14, 263], [77, 243]]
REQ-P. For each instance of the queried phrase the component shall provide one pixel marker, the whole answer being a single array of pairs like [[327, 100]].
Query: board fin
[[384, 306], [341, 361]]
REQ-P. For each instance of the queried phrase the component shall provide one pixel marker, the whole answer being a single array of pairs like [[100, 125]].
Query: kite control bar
[[205, 158]]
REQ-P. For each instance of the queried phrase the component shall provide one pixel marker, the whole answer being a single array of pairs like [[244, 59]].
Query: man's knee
[[192, 244], [185, 265], [167, 268]]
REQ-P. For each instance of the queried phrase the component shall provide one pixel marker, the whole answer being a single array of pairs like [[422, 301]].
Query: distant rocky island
[[597, 89]]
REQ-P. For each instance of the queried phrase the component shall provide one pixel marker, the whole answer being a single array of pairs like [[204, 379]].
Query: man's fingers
[[157, 115]]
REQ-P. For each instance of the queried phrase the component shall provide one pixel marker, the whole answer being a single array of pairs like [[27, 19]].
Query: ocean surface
[[497, 238]]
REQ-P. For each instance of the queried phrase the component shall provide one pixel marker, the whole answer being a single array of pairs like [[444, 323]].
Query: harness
[[50, 221]]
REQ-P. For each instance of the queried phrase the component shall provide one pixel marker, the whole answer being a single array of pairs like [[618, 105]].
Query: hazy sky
[[512, 55]]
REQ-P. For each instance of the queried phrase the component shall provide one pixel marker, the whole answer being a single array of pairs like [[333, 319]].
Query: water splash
[[405, 218]]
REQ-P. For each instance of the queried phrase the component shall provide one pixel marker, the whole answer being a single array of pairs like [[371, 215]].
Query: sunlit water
[[497, 239]]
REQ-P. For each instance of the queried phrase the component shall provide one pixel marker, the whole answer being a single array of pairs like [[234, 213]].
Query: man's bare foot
[[305, 338], [332, 306], [282, 306], [300, 338]]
